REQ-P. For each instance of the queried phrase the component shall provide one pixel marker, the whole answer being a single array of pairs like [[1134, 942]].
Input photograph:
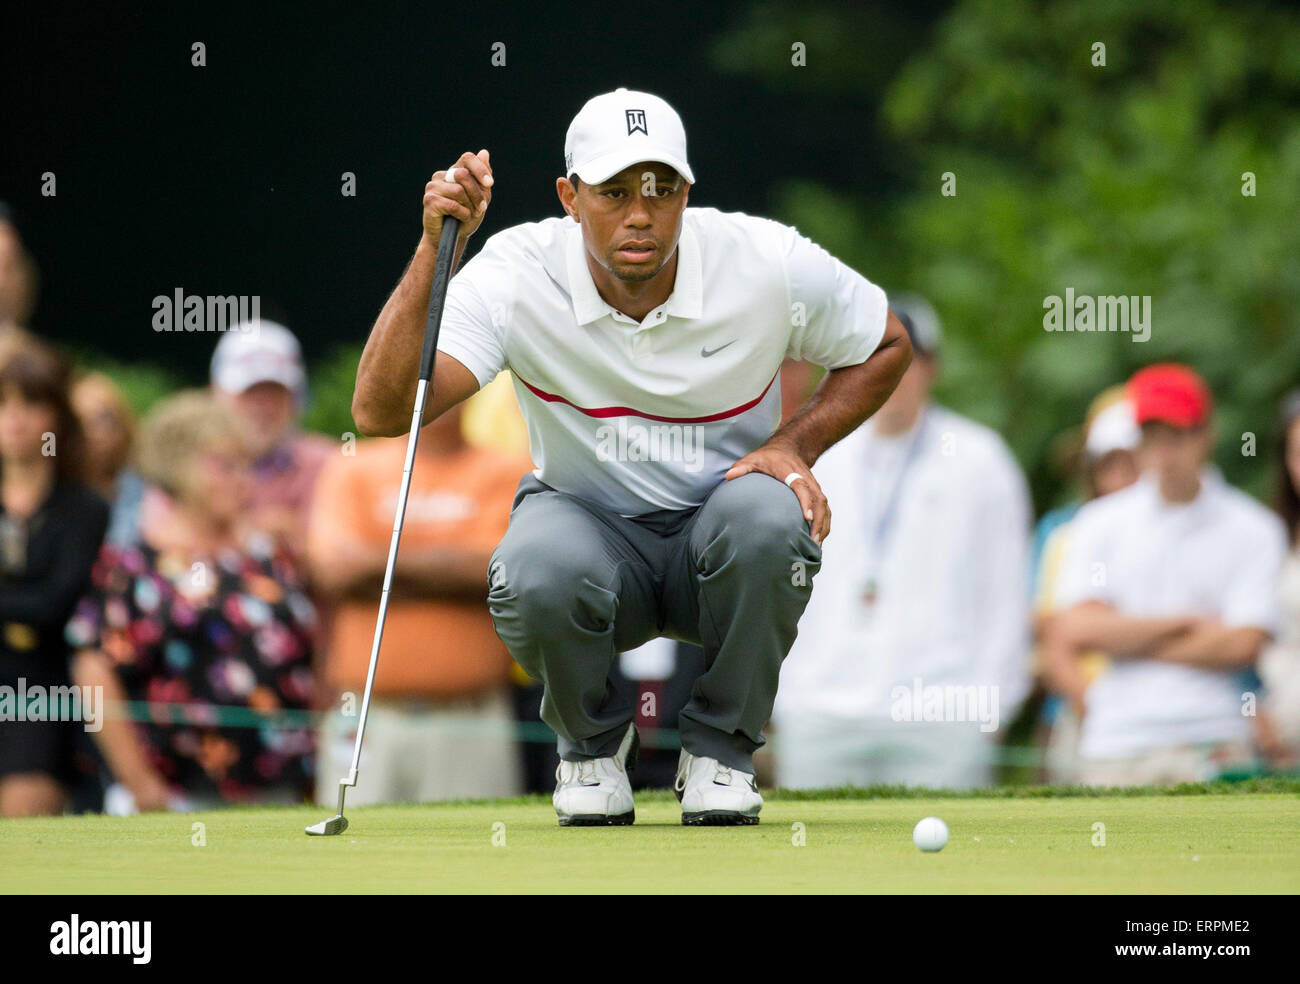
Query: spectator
[[257, 372], [1111, 439], [1175, 577], [203, 613], [441, 724], [922, 596], [109, 426], [1279, 666], [13, 338], [18, 277], [1109, 463], [51, 526]]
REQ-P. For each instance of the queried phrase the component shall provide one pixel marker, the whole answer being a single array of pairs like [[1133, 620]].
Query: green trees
[[1113, 171]]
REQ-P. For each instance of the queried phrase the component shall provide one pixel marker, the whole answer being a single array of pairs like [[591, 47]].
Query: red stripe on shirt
[[632, 412]]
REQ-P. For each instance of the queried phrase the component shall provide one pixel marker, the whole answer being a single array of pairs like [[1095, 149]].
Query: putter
[[437, 295]]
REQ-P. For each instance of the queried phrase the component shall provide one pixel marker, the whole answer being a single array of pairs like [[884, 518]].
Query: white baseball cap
[[1114, 429], [622, 128], [258, 352]]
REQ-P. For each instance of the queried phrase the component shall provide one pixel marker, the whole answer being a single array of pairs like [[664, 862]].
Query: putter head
[[337, 823], [328, 828]]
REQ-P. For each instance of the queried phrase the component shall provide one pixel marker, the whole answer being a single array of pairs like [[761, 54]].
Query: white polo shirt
[[645, 416], [1218, 556]]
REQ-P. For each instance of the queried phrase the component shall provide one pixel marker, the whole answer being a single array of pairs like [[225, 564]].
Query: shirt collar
[[686, 300], [1212, 490], [902, 438], [280, 458]]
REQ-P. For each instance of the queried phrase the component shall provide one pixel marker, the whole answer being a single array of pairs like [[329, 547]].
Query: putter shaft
[[437, 296]]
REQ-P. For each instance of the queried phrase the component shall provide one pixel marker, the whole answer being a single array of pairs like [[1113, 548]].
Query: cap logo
[[636, 121], [568, 163]]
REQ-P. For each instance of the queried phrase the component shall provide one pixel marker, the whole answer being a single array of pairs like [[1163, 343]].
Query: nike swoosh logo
[[705, 352]]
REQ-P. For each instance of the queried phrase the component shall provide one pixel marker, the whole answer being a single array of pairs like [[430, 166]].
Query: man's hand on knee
[[785, 466]]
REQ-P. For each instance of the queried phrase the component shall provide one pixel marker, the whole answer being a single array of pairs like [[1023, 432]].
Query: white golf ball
[[930, 834]]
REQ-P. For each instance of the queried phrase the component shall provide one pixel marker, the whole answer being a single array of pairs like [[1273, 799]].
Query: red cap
[[1171, 394]]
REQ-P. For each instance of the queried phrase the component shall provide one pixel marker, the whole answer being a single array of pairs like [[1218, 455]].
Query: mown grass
[[1213, 838]]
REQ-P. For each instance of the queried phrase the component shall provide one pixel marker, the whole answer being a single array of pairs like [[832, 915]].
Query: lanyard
[[882, 529]]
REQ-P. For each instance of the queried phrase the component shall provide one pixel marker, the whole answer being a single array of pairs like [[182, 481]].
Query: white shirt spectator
[[1279, 665], [1218, 556], [935, 524]]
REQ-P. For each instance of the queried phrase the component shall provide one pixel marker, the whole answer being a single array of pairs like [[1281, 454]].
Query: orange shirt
[[439, 647]]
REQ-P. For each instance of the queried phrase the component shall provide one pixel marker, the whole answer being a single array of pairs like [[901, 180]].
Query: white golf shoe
[[715, 795], [596, 792]]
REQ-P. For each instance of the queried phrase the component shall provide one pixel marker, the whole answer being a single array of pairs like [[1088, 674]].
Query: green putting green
[[1225, 838]]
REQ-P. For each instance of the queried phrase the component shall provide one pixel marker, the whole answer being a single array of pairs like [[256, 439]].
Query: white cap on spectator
[[1114, 429], [258, 352]]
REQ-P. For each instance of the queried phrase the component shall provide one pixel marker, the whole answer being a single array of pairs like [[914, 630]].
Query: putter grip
[[438, 293]]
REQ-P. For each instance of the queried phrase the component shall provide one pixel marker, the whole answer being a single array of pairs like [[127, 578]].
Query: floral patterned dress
[[210, 652]]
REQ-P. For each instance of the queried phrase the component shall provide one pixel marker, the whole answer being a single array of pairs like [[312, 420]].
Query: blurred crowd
[[213, 571]]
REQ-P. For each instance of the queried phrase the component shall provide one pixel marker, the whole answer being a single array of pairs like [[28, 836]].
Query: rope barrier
[[206, 715], [528, 732]]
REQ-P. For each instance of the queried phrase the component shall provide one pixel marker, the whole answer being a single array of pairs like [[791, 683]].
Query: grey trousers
[[573, 584]]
